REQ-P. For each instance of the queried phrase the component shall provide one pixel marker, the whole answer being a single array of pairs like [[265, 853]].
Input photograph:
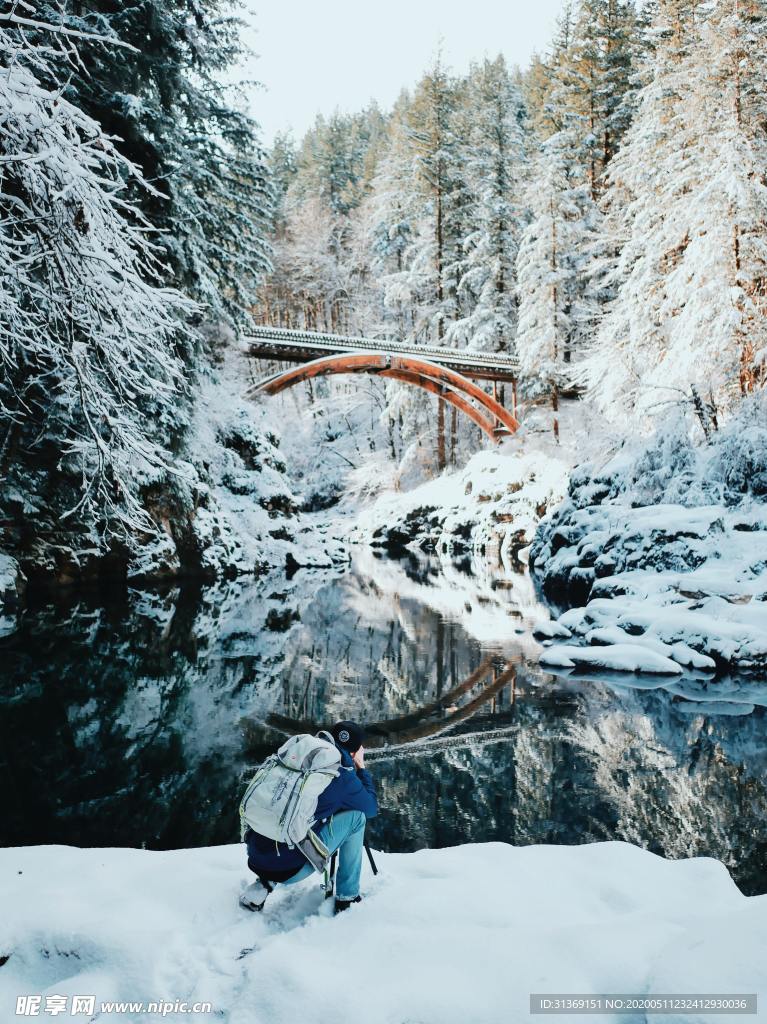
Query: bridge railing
[[273, 338]]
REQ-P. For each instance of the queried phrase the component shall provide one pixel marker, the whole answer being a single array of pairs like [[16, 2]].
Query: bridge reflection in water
[[494, 682]]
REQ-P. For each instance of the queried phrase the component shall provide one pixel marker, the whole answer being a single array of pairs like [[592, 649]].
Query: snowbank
[[443, 937], [487, 511], [665, 549]]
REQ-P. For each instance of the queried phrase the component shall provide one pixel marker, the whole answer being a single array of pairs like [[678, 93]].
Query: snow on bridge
[[289, 346]]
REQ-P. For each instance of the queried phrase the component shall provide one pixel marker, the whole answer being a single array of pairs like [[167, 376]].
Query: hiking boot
[[342, 905], [254, 897]]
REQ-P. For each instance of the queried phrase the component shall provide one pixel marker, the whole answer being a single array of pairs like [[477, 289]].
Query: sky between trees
[[314, 58]]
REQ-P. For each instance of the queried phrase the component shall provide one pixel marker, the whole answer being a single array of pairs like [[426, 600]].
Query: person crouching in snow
[[342, 810]]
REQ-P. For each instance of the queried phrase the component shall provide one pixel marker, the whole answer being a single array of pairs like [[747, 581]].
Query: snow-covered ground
[[442, 937]]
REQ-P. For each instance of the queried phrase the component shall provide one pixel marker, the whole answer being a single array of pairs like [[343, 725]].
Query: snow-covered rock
[[487, 511], [614, 657], [12, 582], [666, 548], [12, 585], [442, 937]]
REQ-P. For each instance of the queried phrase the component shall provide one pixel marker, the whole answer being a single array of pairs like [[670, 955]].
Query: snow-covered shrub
[[740, 453], [675, 466], [666, 469]]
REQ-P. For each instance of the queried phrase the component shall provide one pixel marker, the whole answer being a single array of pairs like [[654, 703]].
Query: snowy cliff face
[[665, 550], [223, 508], [235, 513]]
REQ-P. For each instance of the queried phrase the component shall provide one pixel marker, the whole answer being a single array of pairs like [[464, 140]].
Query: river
[[132, 719]]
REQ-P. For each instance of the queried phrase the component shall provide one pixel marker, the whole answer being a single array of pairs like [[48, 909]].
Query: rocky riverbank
[[486, 512], [662, 555]]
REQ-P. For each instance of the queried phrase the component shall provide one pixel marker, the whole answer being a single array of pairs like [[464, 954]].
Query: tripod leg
[[369, 852], [329, 890]]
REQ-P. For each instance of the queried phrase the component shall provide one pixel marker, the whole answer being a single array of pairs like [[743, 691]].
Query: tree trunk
[[555, 407], [441, 460]]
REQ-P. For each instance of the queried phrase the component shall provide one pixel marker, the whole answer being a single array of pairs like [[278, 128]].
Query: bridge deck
[[283, 345]]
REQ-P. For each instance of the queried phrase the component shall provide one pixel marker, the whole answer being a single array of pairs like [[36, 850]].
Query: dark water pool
[[131, 718]]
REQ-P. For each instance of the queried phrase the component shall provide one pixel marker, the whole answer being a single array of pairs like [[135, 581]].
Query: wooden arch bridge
[[448, 373]]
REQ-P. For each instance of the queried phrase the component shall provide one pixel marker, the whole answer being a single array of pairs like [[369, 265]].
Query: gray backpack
[[281, 800]]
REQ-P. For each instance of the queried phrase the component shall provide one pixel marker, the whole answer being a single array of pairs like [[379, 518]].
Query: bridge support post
[[441, 463]]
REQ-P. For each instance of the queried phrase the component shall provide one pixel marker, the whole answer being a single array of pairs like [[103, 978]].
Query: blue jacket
[[351, 790]]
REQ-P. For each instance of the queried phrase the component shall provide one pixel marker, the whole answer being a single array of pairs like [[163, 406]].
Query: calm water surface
[[131, 719]]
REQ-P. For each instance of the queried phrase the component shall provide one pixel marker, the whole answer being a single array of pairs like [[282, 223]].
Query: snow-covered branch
[[88, 342]]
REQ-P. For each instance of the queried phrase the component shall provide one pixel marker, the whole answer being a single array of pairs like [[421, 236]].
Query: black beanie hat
[[348, 735]]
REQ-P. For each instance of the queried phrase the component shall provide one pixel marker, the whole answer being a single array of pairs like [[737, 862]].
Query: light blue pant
[[344, 832]]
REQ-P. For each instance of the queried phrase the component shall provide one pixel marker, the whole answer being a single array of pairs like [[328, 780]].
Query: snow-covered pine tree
[[382, 232], [275, 294], [331, 162], [719, 337], [493, 166], [589, 80], [388, 218], [602, 80], [640, 226], [437, 172], [90, 377], [544, 77], [326, 181], [173, 115], [686, 208], [556, 313], [310, 258]]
